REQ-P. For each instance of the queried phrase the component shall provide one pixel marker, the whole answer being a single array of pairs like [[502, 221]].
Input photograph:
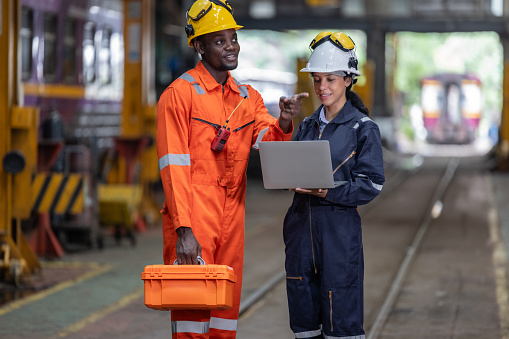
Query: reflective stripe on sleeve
[[260, 137], [351, 337], [375, 186], [190, 327], [308, 334], [174, 159], [223, 324]]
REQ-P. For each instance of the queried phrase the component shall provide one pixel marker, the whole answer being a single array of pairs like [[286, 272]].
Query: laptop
[[296, 164]]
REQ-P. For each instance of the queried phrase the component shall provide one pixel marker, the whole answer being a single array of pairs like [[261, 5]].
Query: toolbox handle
[[200, 260]]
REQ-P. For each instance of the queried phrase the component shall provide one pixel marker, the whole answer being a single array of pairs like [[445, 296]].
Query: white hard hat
[[329, 57]]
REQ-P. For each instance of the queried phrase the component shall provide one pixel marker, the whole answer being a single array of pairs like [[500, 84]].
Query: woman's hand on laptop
[[319, 192]]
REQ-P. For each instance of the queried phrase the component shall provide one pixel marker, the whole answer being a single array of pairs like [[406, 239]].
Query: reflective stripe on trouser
[[218, 225], [308, 334], [202, 327]]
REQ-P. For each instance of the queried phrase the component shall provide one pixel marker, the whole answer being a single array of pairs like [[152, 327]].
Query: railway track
[[431, 213]]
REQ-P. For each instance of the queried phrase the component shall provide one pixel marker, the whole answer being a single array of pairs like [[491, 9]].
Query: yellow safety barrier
[[58, 193]]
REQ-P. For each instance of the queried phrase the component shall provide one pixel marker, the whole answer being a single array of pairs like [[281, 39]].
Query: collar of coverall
[[346, 114], [210, 83]]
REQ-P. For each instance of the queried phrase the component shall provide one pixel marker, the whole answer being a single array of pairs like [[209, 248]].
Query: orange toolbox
[[189, 287]]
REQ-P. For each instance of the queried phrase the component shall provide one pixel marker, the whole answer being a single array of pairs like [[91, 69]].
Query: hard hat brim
[[190, 39], [323, 70]]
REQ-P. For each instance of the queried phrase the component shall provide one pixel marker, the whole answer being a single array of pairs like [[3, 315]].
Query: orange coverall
[[205, 190]]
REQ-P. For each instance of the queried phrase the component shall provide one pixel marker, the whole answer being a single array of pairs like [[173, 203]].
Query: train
[[72, 64], [451, 107], [71, 67]]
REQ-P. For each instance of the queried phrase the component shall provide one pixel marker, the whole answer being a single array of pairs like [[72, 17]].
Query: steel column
[[503, 144], [16, 256], [138, 133], [7, 44]]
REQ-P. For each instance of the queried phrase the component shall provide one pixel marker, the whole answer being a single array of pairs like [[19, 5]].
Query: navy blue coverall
[[323, 237]]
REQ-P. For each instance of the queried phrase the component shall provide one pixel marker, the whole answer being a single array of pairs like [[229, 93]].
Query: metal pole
[[503, 144], [7, 70]]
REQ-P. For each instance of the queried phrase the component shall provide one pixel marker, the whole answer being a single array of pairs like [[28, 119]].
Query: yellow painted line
[[95, 316], [71, 264], [499, 258], [59, 287]]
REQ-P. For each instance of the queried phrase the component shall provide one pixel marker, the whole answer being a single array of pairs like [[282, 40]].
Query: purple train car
[[72, 61], [72, 68]]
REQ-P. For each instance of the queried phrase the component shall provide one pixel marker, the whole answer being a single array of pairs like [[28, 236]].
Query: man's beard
[[229, 67]]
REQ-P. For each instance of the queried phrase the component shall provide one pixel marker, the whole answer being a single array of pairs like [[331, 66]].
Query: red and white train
[[451, 107]]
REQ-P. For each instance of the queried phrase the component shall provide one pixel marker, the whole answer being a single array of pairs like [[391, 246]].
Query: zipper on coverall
[[312, 249], [330, 315], [311, 235], [310, 222]]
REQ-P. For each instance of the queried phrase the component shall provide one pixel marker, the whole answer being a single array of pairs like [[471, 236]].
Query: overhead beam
[[420, 25]]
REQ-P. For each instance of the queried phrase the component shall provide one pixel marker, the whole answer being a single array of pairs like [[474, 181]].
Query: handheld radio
[[220, 139], [223, 133]]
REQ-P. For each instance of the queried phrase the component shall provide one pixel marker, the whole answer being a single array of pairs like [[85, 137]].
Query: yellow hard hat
[[207, 16]]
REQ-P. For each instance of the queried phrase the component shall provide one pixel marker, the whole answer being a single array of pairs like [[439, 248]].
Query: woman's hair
[[355, 99]]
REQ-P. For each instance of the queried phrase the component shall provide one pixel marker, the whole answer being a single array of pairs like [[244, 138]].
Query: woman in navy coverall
[[322, 228]]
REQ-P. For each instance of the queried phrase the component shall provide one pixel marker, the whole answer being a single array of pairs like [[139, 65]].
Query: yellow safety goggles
[[201, 7], [338, 39]]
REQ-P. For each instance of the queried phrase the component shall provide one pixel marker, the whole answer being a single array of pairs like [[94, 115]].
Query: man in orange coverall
[[203, 175]]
